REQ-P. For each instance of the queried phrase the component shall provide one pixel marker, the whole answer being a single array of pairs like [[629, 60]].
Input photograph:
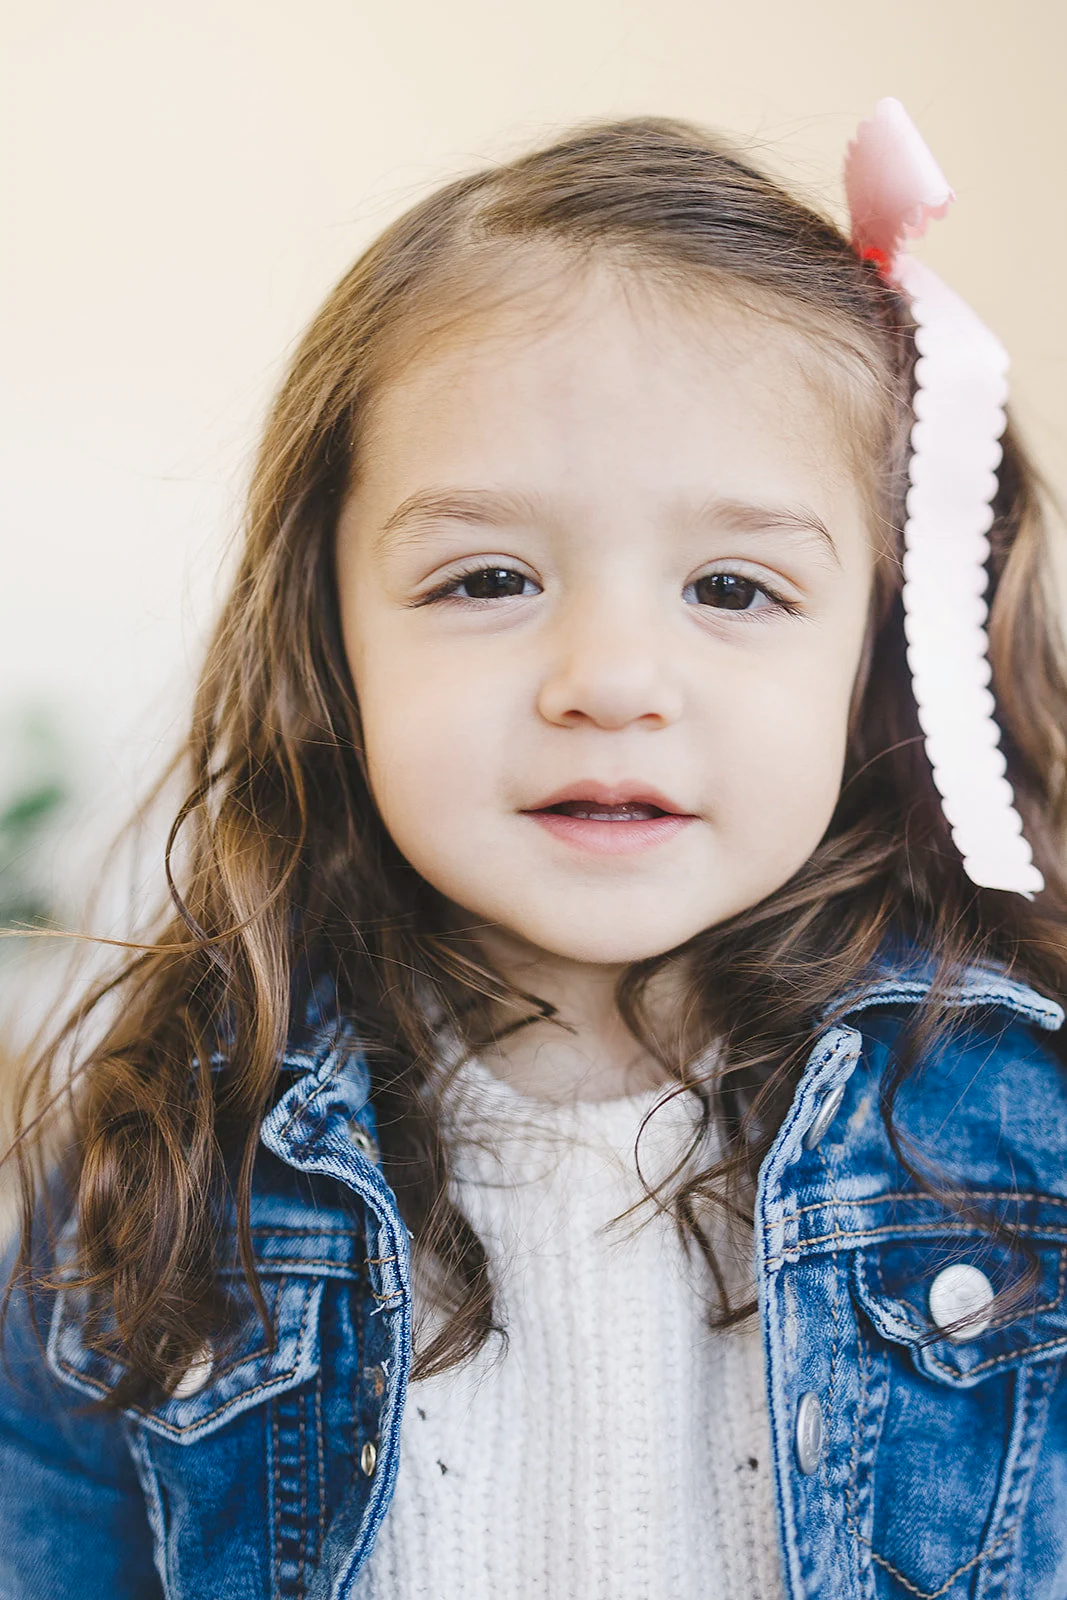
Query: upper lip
[[611, 794]]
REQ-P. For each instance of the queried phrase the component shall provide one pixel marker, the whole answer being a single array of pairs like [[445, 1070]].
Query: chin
[[606, 947]]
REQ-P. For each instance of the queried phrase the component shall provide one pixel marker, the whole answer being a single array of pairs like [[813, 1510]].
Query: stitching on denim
[[103, 1388], [1040, 1383], [266, 1263], [902, 1230], [378, 1261], [876, 1268], [302, 1437], [968, 995], [835, 1342], [321, 1463], [276, 1538], [1001, 1361], [935, 1594], [263, 1350], [878, 1199], [1004, 1321], [175, 1429], [1006, 1359], [397, 1294], [1061, 1285], [1030, 1407], [320, 1089], [984, 1555], [863, 1411], [269, 1232], [149, 1481], [1044, 1305]]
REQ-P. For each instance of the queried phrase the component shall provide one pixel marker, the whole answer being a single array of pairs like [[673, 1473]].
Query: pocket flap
[[211, 1393], [909, 1290]]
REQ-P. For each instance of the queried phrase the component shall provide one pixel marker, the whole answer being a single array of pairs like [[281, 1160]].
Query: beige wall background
[[182, 184]]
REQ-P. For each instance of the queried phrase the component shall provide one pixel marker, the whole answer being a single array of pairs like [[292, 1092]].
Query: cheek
[[785, 753], [430, 737]]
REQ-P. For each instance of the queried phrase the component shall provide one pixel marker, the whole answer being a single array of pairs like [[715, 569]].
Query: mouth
[[610, 821], [596, 811], [596, 802]]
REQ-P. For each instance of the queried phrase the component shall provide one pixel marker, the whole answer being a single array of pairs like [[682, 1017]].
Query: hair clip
[[894, 188]]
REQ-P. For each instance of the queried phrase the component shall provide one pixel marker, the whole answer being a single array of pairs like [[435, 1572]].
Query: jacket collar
[[324, 1051], [905, 971]]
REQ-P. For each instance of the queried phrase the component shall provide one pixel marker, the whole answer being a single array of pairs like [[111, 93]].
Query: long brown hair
[[278, 864]]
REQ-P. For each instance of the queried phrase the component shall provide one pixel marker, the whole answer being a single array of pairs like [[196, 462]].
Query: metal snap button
[[196, 1374], [961, 1291], [363, 1141], [368, 1458], [809, 1432], [826, 1113]]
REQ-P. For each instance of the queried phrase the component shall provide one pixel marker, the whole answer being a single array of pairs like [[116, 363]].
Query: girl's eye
[[729, 591], [485, 583]]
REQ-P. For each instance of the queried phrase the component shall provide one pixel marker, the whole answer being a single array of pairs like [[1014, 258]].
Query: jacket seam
[[264, 1266], [269, 1232], [1008, 1358], [861, 1412], [149, 1481], [863, 1408], [1004, 1321], [320, 1463], [1002, 1361], [1022, 1001], [177, 1430], [836, 1337], [304, 1105], [887, 1566], [901, 1230], [275, 1496], [913, 1197], [302, 1435], [935, 1594]]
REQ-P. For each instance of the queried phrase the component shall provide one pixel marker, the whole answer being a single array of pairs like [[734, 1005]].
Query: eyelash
[[446, 592]]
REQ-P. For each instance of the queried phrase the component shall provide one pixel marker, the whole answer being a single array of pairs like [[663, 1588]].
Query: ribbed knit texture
[[618, 1450]]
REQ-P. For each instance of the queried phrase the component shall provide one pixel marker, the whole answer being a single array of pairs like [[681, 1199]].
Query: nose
[[610, 667]]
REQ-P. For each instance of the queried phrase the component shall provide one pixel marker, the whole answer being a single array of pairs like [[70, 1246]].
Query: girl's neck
[[585, 1052]]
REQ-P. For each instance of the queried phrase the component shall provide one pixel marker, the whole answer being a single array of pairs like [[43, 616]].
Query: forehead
[[607, 388]]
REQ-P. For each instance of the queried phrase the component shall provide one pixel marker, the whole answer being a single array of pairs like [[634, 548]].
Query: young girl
[[556, 775]]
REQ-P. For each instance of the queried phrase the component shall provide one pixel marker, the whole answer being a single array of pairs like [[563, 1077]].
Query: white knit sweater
[[617, 1450]]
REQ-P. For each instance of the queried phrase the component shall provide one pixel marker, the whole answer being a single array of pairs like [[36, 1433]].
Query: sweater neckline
[[474, 1069]]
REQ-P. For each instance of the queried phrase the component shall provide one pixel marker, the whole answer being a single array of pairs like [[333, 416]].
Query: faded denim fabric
[[908, 1463]]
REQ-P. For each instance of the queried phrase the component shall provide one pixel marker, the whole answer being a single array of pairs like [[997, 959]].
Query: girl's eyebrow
[[414, 518]]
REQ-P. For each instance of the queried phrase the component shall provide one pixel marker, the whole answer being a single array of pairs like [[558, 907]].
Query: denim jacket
[[908, 1461]]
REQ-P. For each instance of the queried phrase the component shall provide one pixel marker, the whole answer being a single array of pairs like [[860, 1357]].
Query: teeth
[[589, 811]]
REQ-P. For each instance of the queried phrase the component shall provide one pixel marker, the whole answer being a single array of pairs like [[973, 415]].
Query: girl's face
[[604, 578]]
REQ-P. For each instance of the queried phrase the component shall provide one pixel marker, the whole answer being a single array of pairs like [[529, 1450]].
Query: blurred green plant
[[32, 799]]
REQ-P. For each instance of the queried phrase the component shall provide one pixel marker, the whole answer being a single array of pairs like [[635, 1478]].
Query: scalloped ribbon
[[894, 188]]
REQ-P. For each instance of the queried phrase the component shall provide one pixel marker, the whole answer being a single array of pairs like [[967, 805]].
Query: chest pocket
[[913, 1293], [293, 1265], [952, 1422]]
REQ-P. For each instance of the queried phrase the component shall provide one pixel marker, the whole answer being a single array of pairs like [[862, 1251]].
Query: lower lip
[[611, 838]]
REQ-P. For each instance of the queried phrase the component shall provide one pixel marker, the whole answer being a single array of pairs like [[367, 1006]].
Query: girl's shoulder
[[978, 1078], [911, 1236]]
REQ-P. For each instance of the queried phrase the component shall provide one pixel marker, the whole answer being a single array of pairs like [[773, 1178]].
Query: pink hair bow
[[894, 187]]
